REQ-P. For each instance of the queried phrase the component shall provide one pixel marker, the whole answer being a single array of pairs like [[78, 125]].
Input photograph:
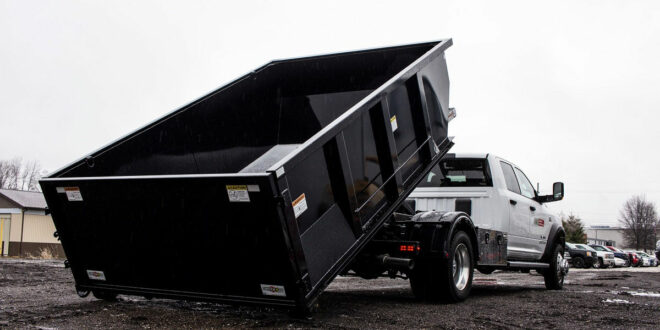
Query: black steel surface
[[350, 135]]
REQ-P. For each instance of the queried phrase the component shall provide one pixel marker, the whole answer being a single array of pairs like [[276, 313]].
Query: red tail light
[[408, 248]]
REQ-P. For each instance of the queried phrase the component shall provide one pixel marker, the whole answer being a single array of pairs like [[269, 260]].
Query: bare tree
[[4, 169], [31, 174], [12, 173], [639, 219], [15, 174]]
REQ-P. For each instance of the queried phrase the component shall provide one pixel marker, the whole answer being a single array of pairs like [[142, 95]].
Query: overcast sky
[[568, 90]]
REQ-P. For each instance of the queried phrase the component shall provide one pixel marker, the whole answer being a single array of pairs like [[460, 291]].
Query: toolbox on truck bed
[[265, 189]]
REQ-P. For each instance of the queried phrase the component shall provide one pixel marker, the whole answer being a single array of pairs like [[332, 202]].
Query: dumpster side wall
[[212, 236]]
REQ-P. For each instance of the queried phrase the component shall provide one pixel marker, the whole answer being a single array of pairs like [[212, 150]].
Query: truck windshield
[[459, 172], [585, 247]]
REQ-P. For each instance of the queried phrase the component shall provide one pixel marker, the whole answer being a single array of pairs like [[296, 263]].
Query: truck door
[[520, 244], [539, 219]]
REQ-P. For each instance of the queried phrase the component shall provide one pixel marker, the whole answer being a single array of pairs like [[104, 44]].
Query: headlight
[[588, 254]]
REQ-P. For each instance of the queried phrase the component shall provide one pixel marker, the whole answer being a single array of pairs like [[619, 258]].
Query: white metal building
[[604, 234]]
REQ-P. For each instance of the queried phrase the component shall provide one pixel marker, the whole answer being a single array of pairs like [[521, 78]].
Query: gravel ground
[[39, 294]]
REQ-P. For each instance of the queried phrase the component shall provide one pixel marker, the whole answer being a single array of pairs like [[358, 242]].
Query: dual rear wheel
[[450, 279]]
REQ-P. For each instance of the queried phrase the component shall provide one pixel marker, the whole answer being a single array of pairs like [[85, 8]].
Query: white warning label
[[95, 275], [394, 124], [273, 290], [73, 194], [238, 193], [299, 205]]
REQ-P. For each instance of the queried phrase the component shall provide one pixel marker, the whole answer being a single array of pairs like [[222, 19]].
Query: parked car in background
[[578, 257], [618, 262], [647, 259], [621, 255], [605, 257], [657, 250], [635, 260]]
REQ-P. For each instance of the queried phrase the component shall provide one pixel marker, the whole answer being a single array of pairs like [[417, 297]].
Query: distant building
[[606, 235], [25, 229]]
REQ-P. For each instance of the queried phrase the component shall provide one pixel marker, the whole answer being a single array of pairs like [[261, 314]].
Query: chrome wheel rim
[[461, 266], [560, 268]]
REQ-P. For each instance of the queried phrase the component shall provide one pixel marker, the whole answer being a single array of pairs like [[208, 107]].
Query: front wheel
[[554, 277], [578, 262], [446, 279], [596, 263], [603, 264]]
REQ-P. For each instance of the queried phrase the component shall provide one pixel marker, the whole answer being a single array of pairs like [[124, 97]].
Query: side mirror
[[557, 194], [558, 191]]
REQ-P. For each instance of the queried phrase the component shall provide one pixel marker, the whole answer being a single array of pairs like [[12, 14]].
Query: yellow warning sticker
[[394, 124], [238, 193]]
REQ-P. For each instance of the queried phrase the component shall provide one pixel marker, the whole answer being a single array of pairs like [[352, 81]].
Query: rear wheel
[[578, 262], [596, 263], [446, 279], [554, 276]]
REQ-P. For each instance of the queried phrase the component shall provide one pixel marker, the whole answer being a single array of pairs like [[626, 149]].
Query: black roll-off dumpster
[[263, 190]]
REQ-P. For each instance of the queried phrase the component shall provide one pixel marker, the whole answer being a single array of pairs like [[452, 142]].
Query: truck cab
[[497, 195]]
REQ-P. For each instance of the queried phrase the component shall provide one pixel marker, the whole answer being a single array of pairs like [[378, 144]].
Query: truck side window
[[510, 177], [525, 186], [459, 172]]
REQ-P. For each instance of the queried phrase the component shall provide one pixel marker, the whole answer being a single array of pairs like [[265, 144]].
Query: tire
[[107, 296], [450, 280], [603, 265], [554, 276], [578, 262], [596, 263]]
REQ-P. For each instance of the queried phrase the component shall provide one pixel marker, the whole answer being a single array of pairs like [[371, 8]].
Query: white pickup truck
[[498, 196]]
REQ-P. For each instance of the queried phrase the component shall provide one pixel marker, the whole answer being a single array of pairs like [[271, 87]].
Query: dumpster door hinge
[[306, 282]]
